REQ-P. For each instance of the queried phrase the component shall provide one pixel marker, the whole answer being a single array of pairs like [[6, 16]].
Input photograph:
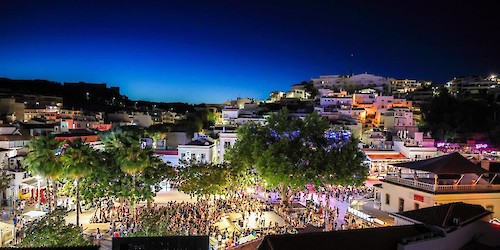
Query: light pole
[[38, 192]]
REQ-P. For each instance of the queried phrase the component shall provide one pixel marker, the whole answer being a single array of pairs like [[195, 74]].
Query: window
[[183, 155], [387, 199], [203, 157], [227, 144], [401, 205], [417, 206]]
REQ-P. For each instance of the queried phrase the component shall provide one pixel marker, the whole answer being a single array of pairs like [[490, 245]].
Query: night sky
[[212, 51]]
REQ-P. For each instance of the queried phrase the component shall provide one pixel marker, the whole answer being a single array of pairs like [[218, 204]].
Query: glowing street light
[[38, 178]]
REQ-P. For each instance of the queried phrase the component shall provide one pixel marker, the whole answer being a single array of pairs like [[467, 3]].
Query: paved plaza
[[236, 222]]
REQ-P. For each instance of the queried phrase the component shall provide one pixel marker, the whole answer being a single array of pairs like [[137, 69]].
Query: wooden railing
[[442, 188]]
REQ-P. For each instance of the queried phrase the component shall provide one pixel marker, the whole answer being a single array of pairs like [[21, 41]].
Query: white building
[[226, 141], [380, 161], [13, 138], [135, 118], [416, 148], [345, 102], [472, 85], [404, 86], [229, 115], [397, 119], [364, 98], [202, 149], [440, 180], [352, 83]]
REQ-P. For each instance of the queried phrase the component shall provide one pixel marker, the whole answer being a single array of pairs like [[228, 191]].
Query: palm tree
[[43, 159], [132, 160], [79, 161], [129, 154]]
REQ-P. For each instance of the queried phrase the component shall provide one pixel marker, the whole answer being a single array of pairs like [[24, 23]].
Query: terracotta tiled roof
[[167, 152], [15, 137], [397, 156]]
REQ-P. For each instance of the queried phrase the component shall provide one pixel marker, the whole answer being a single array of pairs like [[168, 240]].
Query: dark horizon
[[199, 52]]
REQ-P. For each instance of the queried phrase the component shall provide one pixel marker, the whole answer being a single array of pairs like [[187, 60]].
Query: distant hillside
[[40, 87], [85, 96]]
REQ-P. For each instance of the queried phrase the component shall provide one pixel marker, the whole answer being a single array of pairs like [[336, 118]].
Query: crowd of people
[[246, 212], [246, 215]]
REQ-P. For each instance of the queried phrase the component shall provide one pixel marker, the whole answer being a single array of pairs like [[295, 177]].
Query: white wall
[[487, 200], [226, 140], [187, 152]]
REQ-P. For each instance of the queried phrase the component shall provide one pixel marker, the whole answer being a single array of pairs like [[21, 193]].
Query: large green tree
[[79, 161], [124, 151], [202, 178], [289, 153], [43, 159], [449, 118], [52, 231]]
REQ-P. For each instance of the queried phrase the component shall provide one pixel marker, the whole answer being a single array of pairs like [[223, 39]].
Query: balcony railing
[[459, 188]]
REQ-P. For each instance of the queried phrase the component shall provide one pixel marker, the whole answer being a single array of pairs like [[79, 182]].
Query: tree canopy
[[451, 119], [292, 152], [203, 178], [52, 231]]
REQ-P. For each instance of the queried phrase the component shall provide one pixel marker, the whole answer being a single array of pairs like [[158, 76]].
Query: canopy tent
[[33, 215], [453, 163], [32, 182]]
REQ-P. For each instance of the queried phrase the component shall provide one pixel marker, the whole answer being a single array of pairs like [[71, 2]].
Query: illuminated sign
[[418, 197]]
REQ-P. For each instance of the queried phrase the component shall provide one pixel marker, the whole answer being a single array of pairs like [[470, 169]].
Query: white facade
[[135, 118], [397, 117], [334, 101], [229, 115], [352, 83], [298, 94], [226, 141], [364, 98], [404, 86], [415, 152], [200, 150], [398, 198]]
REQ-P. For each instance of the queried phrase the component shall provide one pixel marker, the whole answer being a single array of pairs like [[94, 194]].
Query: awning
[[33, 182], [453, 163], [34, 214]]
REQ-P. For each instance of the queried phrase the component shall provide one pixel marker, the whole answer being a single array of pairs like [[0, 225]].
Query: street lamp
[[38, 178]]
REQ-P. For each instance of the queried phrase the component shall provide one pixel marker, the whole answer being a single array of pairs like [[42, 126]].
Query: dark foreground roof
[[443, 216], [383, 238], [453, 163]]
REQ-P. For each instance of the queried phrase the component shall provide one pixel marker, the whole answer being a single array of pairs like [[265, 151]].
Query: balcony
[[421, 184]]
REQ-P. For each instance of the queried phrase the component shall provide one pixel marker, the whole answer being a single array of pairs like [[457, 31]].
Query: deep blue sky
[[212, 51]]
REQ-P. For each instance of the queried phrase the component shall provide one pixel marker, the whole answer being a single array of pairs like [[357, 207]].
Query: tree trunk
[[55, 194], [49, 195], [77, 202], [285, 195], [133, 197], [97, 210]]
